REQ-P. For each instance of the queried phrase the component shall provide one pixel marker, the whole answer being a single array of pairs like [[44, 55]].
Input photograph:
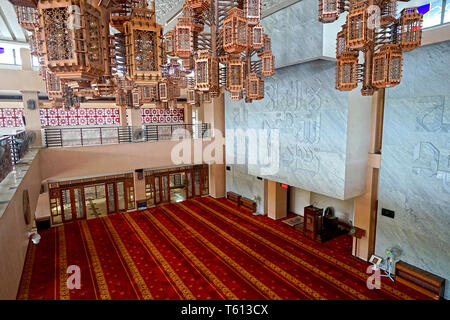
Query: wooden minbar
[[313, 221]]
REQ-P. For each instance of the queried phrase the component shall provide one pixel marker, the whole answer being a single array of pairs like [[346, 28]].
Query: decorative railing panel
[[85, 136]]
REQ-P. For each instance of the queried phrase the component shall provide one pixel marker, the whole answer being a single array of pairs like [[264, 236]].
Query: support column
[[134, 117], [135, 121], [276, 200], [139, 187], [187, 113], [123, 116], [366, 205], [214, 114], [30, 101]]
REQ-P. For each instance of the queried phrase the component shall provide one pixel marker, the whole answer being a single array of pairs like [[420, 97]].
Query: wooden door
[[72, 200], [189, 184], [150, 191], [165, 188], [111, 197]]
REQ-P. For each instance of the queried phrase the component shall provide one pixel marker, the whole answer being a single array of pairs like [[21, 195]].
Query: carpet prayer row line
[[201, 248]]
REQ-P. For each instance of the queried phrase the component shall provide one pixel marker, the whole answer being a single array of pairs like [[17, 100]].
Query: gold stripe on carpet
[[191, 258], [186, 293], [117, 241], [62, 256], [99, 276], [27, 272], [312, 250], [288, 278], [238, 269], [338, 284]]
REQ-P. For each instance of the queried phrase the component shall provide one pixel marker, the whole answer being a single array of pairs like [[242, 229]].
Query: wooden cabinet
[[313, 219]]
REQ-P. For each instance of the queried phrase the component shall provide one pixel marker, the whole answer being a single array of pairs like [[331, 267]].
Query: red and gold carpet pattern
[[198, 249]]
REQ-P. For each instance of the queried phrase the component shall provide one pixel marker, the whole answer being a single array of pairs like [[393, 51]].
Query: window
[[8, 54], [439, 12]]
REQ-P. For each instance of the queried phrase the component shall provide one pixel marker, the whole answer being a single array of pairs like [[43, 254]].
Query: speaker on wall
[[140, 173]]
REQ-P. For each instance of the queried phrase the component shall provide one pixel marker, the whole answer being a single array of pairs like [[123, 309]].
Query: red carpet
[[198, 249]]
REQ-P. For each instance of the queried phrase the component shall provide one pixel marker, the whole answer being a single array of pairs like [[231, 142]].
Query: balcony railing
[[88, 136], [6, 165], [20, 144]]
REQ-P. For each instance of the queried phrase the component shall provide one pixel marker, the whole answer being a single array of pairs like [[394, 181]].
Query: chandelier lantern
[[380, 42], [235, 31]]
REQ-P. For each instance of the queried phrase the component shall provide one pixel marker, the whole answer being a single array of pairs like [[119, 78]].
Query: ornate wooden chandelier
[[217, 41], [81, 59], [373, 29]]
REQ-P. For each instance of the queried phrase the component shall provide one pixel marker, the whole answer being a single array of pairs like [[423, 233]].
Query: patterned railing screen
[[11, 117], [52, 117], [152, 115]]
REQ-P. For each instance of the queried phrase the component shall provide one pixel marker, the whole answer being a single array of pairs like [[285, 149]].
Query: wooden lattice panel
[[206, 97], [198, 5], [121, 12], [267, 64], [267, 43], [341, 42], [166, 91], [235, 76], [254, 88], [149, 93], [235, 33], [387, 66], [169, 43], [184, 39], [65, 43], [192, 97], [252, 11], [346, 71], [206, 72], [411, 29], [121, 98], [143, 47], [236, 95], [136, 98], [27, 17], [25, 3], [329, 10], [358, 33], [256, 36], [54, 85]]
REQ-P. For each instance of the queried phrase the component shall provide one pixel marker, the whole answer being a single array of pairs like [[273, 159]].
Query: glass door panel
[[79, 207], [111, 195], [177, 187], [55, 209], [189, 184], [95, 200], [150, 191], [130, 195], [121, 195], [67, 205], [157, 191], [196, 183], [205, 182], [165, 189]]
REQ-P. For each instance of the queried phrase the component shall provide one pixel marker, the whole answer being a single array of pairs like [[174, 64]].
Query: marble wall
[[310, 119], [415, 166], [295, 32], [238, 180]]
